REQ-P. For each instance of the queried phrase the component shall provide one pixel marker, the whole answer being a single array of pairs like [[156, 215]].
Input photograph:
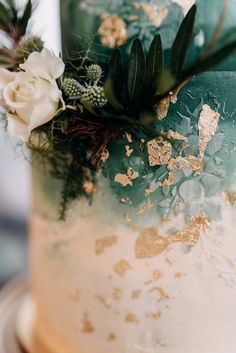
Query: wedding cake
[[144, 260]]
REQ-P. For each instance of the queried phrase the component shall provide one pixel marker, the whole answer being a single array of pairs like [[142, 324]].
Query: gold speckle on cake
[[179, 275], [132, 174], [103, 301], [128, 150], [154, 315], [122, 267], [157, 274], [163, 294], [129, 137], [159, 151], [136, 294], [149, 243], [89, 187], [229, 197], [111, 337], [103, 243], [156, 14], [170, 180], [195, 164], [207, 125], [117, 294], [126, 179], [127, 218], [112, 30], [144, 209], [169, 261], [131, 318], [87, 324]]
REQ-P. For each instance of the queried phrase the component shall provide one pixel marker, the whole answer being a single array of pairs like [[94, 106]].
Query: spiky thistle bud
[[26, 47], [71, 87], [95, 96], [94, 72]]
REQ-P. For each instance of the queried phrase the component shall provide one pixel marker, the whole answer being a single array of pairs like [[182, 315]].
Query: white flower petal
[[44, 65], [42, 113], [17, 128], [6, 76]]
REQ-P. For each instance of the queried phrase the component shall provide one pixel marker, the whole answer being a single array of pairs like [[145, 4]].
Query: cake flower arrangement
[[67, 113]]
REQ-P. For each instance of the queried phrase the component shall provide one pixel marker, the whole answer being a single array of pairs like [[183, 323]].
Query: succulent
[[95, 96]]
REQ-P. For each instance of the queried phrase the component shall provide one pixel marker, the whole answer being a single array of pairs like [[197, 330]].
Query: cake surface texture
[[149, 266]]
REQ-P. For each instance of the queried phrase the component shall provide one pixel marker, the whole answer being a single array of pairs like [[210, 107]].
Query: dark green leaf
[[4, 61], [12, 6], [23, 21], [136, 71], [111, 96], [213, 59], [4, 18], [155, 63], [115, 63], [182, 41], [90, 108]]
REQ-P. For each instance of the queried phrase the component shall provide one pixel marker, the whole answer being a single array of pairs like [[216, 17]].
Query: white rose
[[32, 96]]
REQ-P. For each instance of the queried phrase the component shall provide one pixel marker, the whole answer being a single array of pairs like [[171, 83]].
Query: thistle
[[95, 96], [71, 88], [94, 72]]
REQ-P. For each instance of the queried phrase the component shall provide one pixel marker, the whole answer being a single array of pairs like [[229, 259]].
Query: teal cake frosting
[[147, 174]]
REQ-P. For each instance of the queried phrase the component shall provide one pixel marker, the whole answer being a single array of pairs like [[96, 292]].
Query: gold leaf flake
[[123, 179], [129, 137], [136, 293], [154, 315], [163, 294], [103, 243], [87, 325], [122, 267], [89, 187], [229, 197], [132, 174], [195, 164], [127, 219], [149, 243], [179, 275], [159, 151], [162, 108], [117, 294], [131, 318], [149, 190], [128, 151], [111, 337], [170, 180], [207, 125], [176, 136], [144, 209], [157, 274], [169, 261], [103, 301]]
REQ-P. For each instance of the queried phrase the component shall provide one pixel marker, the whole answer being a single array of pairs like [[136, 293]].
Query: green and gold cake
[[144, 260]]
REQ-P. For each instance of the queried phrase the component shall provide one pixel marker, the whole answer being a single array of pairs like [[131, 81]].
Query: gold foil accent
[[126, 179], [127, 219], [179, 275], [103, 301], [90, 187], [170, 180], [128, 151], [159, 151], [169, 261], [229, 197], [207, 125], [87, 325], [150, 243], [154, 315], [136, 294], [129, 137], [117, 294], [155, 13], [111, 337], [103, 243], [112, 31], [163, 294], [122, 267], [176, 136], [157, 274], [131, 318], [195, 164], [145, 209]]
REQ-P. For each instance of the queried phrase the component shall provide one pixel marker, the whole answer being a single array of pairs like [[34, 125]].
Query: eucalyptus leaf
[[115, 63], [136, 71], [182, 40], [23, 21], [4, 18], [155, 62]]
